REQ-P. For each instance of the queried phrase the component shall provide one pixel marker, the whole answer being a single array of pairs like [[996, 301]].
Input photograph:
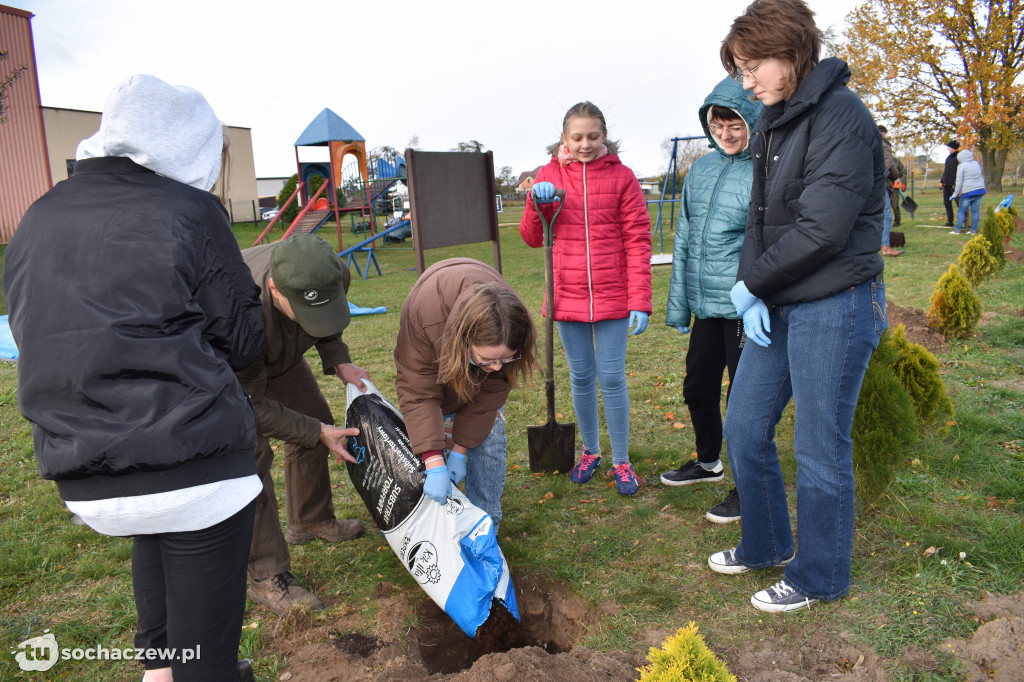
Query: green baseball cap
[[308, 272]]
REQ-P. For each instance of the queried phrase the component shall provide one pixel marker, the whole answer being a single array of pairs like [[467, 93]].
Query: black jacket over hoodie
[[131, 307], [814, 226]]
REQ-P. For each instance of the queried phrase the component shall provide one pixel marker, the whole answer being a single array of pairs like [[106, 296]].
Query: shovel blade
[[909, 205], [552, 447]]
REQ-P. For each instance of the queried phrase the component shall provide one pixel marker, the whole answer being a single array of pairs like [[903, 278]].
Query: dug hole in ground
[[544, 643]]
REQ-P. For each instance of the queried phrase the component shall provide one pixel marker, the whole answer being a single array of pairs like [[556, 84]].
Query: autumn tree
[[504, 179], [687, 151], [938, 68], [471, 146]]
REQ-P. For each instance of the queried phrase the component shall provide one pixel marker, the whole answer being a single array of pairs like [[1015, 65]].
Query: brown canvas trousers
[[307, 481]]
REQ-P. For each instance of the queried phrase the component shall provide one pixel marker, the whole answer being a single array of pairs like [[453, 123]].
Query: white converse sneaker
[[781, 597]]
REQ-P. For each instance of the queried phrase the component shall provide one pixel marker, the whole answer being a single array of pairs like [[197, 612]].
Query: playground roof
[[327, 127]]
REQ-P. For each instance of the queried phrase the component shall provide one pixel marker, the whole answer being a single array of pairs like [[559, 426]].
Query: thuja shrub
[[1005, 221], [990, 230], [976, 261], [955, 308], [919, 373], [684, 657], [885, 425]]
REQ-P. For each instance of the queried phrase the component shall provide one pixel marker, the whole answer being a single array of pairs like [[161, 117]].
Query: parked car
[[270, 213]]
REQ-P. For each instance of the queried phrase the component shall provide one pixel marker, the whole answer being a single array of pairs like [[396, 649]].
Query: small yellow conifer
[[955, 308], [684, 657]]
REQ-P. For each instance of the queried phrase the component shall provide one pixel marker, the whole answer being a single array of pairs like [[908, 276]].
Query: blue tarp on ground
[[353, 309], [8, 351]]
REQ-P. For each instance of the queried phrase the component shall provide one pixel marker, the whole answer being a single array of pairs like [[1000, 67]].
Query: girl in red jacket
[[602, 264]]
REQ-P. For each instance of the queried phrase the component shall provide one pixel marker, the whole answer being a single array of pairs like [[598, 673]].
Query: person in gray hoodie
[[705, 256], [970, 187], [132, 308]]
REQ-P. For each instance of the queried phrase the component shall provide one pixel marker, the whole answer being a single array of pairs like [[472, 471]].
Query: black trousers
[[190, 595], [947, 201], [715, 344]]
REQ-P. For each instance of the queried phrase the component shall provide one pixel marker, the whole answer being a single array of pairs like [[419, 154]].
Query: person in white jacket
[[970, 187]]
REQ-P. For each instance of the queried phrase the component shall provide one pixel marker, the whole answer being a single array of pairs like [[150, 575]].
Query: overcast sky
[[501, 73]]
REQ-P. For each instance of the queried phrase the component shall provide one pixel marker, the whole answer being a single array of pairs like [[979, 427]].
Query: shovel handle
[[549, 296]]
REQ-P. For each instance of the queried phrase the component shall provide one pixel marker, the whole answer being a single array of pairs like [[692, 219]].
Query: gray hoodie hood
[[169, 129], [729, 94], [965, 155]]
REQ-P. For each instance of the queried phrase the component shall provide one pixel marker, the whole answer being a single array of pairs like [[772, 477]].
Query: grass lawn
[[959, 493]]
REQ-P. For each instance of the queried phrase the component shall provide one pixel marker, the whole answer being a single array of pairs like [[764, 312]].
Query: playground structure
[[375, 185], [663, 258], [359, 190]]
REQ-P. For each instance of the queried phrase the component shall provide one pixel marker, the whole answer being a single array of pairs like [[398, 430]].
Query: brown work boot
[[889, 251], [335, 530], [280, 593]]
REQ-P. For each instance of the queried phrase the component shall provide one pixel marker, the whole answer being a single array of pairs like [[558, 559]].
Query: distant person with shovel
[[892, 180], [602, 278], [465, 339], [705, 255]]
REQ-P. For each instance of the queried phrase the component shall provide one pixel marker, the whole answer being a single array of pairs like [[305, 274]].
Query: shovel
[[552, 446], [908, 204]]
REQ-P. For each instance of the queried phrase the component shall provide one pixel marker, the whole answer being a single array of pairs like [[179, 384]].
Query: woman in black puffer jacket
[[811, 295]]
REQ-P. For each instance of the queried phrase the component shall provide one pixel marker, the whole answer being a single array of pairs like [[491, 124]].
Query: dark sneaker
[[584, 468], [280, 593], [335, 530], [726, 511], [626, 481], [692, 472], [243, 671], [780, 598], [726, 562]]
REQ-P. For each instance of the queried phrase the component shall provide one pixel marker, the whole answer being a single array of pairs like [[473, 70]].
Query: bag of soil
[[450, 550]]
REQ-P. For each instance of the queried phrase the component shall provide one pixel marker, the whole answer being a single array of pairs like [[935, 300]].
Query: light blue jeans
[[485, 469], [974, 204], [597, 352], [886, 219], [818, 356]]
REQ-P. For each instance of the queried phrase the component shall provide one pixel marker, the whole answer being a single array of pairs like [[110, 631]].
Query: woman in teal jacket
[[709, 237]]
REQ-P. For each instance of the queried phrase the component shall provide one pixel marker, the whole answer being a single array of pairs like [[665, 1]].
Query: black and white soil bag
[[451, 550]]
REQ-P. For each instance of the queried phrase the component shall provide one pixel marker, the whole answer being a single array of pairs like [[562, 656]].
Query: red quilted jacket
[[602, 240]]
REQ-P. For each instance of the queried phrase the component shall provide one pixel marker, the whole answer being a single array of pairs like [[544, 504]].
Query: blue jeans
[[886, 219], [974, 203], [597, 352], [485, 469], [818, 356]]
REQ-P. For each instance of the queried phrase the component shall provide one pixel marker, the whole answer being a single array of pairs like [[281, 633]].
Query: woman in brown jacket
[[465, 339]]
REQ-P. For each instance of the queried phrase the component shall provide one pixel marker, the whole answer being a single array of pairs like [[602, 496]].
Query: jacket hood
[[827, 74], [965, 155], [729, 93], [169, 129]]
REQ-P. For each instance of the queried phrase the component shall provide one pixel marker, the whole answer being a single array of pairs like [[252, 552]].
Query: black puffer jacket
[[814, 226], [131, 306]]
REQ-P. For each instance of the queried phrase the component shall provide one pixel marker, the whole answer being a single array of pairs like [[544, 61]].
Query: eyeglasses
[[490, 363], [743, 74], [735, 129]]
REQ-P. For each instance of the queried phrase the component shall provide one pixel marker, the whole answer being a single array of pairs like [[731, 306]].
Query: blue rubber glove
[[437, 486], [756, 324], [456, 467], [544, 193], [741, 298], [638, 319], [683, 330]]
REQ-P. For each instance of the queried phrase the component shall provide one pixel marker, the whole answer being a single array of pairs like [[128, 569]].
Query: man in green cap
[[303, 284]]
